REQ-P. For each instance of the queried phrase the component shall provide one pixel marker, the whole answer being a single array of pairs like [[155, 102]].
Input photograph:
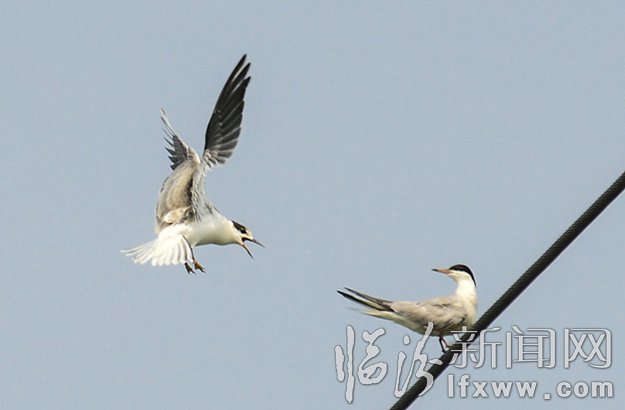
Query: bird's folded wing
[[443, 312]]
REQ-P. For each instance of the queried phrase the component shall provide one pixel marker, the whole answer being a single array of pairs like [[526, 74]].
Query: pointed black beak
[[256, 242], [248, 249]]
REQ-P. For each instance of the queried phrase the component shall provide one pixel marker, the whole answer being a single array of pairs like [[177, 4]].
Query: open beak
[[248, 249], [445, 271], [256, 242]]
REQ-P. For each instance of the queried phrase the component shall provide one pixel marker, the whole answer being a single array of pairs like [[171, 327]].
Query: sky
[[380, 140]]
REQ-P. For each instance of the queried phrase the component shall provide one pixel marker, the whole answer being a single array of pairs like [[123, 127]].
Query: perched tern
[[184, 217], [446, 313]]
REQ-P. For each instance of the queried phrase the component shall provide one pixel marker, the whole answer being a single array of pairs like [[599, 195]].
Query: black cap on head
[[464, 268], [240, 227]]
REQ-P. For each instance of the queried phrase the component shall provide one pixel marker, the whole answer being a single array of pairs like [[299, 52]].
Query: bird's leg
[[198, 265], [443, 342], [195, 262]]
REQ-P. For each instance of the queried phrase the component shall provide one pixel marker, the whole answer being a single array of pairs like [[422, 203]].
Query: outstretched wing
[[181, 193], [179, 150], [182, 196], [224, 127]]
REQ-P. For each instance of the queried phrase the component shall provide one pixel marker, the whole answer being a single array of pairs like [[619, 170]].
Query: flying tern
[[184, 217], [447, 314]]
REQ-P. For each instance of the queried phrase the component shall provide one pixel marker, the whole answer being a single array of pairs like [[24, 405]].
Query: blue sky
[[379, 140]]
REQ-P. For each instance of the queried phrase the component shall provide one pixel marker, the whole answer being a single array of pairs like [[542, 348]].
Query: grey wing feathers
[[178, 197], [367, 300], [224, 127], [182, 194], [443, 312], [182, 191], [179, 151]]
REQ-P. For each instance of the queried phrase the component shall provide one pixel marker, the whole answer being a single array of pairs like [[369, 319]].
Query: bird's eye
[[239, 227]]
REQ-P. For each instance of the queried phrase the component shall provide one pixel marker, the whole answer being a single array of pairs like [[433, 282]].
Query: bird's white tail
[[164, 250]]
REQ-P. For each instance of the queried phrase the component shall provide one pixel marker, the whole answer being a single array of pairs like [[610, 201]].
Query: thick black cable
[[516, 289]]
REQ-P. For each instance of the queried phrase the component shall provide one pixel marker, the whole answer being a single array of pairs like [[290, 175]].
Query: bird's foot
[[189, 268], [444, 345], [198, 265]]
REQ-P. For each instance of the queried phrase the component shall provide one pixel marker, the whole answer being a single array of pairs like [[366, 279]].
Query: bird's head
[[458, 273], [242, 235]]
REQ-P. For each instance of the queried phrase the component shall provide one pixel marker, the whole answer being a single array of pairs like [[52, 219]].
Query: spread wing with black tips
[[178, 151], [224, 127], [182, 197]]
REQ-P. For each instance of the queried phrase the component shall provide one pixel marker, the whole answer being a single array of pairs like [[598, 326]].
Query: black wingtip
[[352, 297], [348, 296], [240, 64]]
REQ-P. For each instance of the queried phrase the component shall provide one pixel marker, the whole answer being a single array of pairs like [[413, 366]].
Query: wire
[[516, 289]]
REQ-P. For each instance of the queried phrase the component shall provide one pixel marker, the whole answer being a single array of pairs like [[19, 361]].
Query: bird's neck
[[466, 290], [217, 230]]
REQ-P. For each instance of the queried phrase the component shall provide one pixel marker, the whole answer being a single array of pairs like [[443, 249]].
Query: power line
[[517, 288]]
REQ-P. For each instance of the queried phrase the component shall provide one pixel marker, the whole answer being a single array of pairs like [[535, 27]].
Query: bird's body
[[447, 314], [184, 217]]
